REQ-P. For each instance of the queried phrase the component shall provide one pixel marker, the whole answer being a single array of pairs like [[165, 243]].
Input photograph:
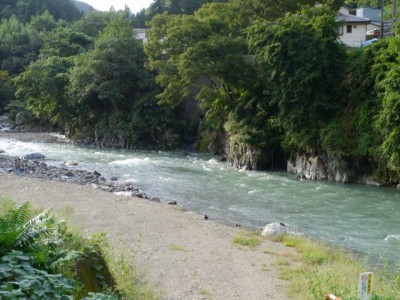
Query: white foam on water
[[393, 238], [130, 162], [206, 169], [6, 128], [162, 178]]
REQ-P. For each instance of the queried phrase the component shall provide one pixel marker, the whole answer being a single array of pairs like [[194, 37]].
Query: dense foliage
[[88, 78], [253, 80], [40, 258], [158, 7], [26, 9]]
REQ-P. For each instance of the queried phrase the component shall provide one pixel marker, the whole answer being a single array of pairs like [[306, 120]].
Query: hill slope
[[82, 6]]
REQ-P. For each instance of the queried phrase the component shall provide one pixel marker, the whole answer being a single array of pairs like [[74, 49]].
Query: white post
[[365, 285]]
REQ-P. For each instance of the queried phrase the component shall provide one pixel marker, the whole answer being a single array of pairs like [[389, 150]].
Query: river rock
[[123, 193], [274, 229], [39, 169], [71, 163], [69, 173], [373, 182], [34, 156]]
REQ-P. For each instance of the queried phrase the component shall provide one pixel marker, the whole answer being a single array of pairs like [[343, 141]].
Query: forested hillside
[[270, 79]]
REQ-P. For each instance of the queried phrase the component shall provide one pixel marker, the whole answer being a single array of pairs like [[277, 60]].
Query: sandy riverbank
[[179, 253]]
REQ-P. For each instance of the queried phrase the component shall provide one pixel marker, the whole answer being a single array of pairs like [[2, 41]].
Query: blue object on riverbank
[[369, 42]]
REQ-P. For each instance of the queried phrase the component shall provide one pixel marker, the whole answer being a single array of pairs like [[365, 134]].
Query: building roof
[[374, 14], [352, 19]]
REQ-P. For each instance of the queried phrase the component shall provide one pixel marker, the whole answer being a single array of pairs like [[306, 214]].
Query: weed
[[265, 268], [176, 248], [268, 251], [247, 238], [203, 291], [282, 262]]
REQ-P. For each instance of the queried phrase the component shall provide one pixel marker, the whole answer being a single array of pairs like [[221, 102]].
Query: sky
[[104, 5]]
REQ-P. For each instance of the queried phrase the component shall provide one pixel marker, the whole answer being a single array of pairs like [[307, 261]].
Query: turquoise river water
[[362, 218]]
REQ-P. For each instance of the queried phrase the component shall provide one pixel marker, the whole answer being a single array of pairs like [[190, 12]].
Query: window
[[349, 29]]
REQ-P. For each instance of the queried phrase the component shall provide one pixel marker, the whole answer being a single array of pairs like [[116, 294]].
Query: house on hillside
[[374, 14], [141, 34], [353, 29]]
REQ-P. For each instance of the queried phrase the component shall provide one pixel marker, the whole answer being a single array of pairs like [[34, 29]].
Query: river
[[361, 218]]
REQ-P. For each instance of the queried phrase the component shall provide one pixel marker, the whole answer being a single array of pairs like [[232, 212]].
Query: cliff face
[[319, 167], [244, 156], [324, 166]]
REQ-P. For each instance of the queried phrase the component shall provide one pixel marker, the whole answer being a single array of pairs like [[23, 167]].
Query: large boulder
[[275, 229], [34, 156]]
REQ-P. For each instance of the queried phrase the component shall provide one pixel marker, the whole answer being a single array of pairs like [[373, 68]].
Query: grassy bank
[[320, 270], [316, 269]]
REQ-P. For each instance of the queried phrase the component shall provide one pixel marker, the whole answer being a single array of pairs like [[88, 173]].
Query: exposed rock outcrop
[[19, 119], [244, 156], [324, 166], [319, 167]]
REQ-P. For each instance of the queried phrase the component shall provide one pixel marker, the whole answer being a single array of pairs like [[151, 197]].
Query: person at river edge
[[17, 166]]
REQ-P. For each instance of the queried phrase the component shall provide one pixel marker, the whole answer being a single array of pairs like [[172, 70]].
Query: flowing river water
[[362, 218]]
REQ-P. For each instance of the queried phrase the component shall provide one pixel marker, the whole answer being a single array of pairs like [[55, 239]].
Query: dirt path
[[180, 254]]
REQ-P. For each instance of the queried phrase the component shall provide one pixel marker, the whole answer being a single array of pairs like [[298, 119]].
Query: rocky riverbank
[[35, 166], [38, 168]]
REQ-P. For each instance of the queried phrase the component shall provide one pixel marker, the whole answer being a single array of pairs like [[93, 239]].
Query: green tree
[[388, 121], [43, 22], [304, 81], [109, 84], [93, 23], [207, 53], [6, 90], [65, 42], [18, 45], [59, 9], [42, 85]]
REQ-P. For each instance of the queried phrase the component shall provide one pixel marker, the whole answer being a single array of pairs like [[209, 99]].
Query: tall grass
[[247, 238], [325, 270], [129, 284]]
